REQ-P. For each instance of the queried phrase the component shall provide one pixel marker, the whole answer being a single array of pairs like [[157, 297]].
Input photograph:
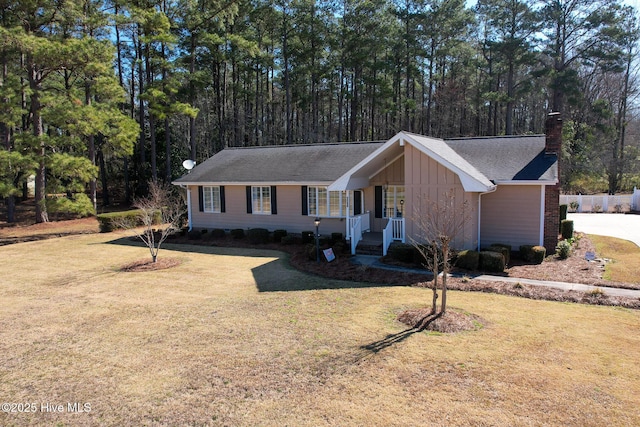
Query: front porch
[[364, 241]]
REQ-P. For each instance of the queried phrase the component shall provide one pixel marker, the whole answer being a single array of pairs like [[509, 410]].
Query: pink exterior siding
[[289, 216], [427, 180], [511, 215]]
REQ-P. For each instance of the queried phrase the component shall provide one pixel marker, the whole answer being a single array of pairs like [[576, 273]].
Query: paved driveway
[[615, 225]]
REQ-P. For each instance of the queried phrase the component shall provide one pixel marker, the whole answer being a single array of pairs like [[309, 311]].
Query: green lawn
[[236, 337]]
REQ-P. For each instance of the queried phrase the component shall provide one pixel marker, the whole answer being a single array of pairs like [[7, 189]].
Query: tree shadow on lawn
[[390, 340], [274, 276], [279, 276], [199, 249]]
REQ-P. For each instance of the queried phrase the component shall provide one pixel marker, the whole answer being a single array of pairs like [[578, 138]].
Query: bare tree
[[161, 214], [438, 223]]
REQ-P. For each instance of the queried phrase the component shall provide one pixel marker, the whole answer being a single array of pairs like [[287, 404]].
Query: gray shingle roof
[[508, 158], [314, 163]]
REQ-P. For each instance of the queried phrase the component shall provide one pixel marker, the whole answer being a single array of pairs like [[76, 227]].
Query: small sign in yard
[[329, 255], [590, 256]]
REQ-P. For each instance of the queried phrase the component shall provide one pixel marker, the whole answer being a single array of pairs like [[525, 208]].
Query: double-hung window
[[261, 200], [211, 199]]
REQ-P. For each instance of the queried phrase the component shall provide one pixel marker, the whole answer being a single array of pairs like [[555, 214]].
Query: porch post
[[348, 233]]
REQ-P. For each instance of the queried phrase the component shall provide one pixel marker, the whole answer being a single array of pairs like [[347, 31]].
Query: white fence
[[602, 202]]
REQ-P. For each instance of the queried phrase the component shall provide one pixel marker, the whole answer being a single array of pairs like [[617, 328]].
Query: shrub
[[79, 206], [115, 220], [336, 237], [532, 253], [566, 228], [492, 261], [573, 206], [563, 250], [504, 249], [308, 237], [563, 214], [258, 235], [237, 233], [278, 235], [539, 253], [468, 259], [402, 252], [218, 233], [288, 240]]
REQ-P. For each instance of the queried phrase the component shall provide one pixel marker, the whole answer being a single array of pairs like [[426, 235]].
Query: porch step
[[364, 248], [371, 244]]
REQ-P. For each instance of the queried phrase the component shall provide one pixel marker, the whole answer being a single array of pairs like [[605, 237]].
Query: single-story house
[[510, 183]]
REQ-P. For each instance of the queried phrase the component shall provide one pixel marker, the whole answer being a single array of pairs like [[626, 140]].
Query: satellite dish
[[188, 164]]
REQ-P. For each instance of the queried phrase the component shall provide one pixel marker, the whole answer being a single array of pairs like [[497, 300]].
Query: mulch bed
[[575, 269]]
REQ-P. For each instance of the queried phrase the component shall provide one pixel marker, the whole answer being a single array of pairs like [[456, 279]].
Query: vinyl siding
[[511, 215], [289, 216], [426, 179]]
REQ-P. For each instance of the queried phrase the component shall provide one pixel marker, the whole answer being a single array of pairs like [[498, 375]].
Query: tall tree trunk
[[127, 188], [192, 99], [38, 133], [287, 83], [103, 179], [167, 142], [508, 122], [6, 142], [92, 153]]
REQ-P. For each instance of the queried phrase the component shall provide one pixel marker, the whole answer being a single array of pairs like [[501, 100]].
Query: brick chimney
[[553, 133], [553, 145]]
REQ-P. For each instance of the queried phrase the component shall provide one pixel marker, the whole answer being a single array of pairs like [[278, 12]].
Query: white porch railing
[[365, 223], [394, 231], [356, 233]]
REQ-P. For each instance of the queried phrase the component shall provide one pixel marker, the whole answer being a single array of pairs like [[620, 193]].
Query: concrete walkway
[[622, 226], [374, 261]]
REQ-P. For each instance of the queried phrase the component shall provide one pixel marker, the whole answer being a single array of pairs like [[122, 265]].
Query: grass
[[236, 337], [625, 257]]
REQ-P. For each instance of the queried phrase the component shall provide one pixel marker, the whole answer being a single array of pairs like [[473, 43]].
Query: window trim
[[214, 196], [313, 207], [396, 201], [260, 209]]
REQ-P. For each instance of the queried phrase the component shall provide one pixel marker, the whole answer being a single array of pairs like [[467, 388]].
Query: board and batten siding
[[425, 180], [289, 216], [511, 215]]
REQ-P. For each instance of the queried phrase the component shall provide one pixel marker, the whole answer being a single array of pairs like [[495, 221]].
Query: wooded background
[[100, 97]]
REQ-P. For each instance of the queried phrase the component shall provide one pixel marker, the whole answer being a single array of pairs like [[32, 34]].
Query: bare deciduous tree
[[161, 214], [438, 223]]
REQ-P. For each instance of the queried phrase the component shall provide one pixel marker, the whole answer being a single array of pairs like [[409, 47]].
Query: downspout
[[543, 210], [189, 207], [495, 187]]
